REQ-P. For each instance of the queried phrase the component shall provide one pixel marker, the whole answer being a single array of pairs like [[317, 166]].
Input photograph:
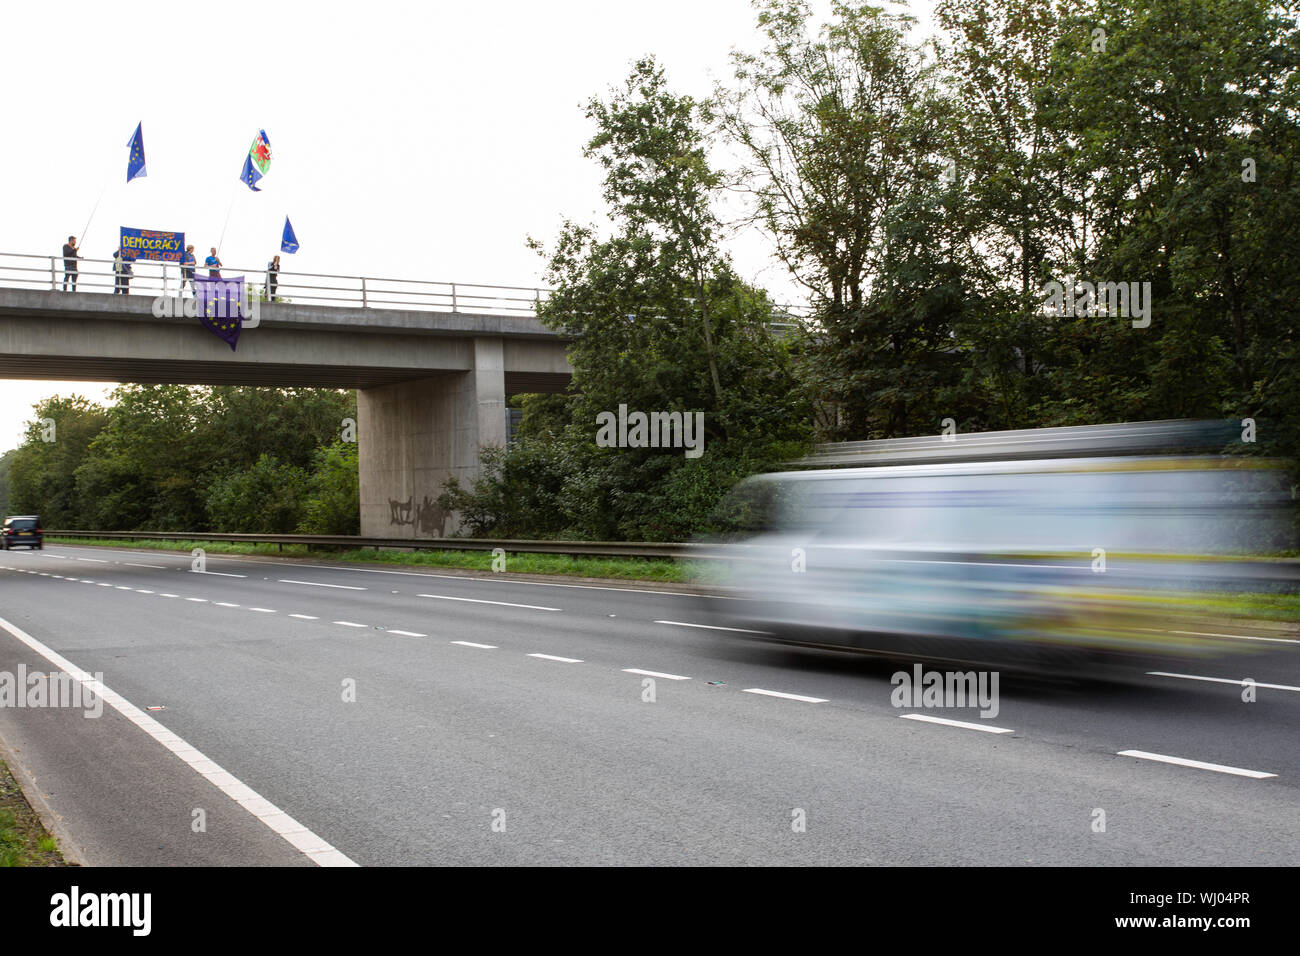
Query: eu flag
[[221, 306], [288, 242], [135, 165]]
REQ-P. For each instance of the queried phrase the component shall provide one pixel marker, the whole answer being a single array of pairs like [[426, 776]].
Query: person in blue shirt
[[213, 264], [187, 268]]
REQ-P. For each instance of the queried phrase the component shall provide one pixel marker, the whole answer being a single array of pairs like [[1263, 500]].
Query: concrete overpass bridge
[[432, 363]]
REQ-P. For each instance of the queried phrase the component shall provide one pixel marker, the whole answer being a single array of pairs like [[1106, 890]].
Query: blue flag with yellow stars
[[135, 165], [221, 306], [288, 241]]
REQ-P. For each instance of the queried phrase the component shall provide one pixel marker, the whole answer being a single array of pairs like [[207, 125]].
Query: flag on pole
[[257, 162], [288, 242], [135, 165]]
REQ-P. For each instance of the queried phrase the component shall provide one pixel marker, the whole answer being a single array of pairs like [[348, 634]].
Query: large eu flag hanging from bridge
[[221, 306]]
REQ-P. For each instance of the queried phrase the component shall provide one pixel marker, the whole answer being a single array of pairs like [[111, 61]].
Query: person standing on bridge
[[272, 278], [187, 269], [213, 264], [121, 274], [70, 258]]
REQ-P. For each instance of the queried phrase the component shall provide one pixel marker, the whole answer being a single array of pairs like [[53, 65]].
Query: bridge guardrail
[[29, 271]]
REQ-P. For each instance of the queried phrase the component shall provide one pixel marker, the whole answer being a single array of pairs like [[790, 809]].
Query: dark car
[[22, 530]]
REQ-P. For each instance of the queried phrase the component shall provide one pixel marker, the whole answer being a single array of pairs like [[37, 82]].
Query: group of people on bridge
[[122, 270]]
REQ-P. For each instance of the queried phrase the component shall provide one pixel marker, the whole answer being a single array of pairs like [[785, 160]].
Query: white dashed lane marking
[[1197, 764], [350, 624], [712, 627], [1225, 680], [317, 584], [964, 724], [552, 657], [305, 617], [777, 693], [447, 597], [484, 647], [406, 633], [637, 670]]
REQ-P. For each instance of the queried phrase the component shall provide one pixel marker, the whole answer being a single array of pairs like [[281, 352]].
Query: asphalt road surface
[[281, 712]]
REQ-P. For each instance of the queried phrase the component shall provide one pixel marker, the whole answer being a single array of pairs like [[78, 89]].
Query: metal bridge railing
[[23, 270]]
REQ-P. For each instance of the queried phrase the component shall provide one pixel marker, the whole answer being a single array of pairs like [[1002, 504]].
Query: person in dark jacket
[[70, 258], [272, 278]]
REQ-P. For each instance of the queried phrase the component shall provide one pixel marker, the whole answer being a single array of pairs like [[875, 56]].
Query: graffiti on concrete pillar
[[426, 517]]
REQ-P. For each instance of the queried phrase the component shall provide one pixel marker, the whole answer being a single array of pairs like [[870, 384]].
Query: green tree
[[333, 501], [848, 135], [658, 321], [43, 473], [265, 498]]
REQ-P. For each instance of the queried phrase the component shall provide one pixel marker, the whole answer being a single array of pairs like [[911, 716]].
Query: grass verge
[[23, 840], [624, 569]]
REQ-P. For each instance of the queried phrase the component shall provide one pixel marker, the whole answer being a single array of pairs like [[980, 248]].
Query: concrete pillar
[[413, 436]]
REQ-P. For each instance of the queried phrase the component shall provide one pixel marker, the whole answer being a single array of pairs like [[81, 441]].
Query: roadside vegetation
[[23, 840], [631, 569]]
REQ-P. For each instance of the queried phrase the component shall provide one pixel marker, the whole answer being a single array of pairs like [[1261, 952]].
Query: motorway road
[[500, 721]]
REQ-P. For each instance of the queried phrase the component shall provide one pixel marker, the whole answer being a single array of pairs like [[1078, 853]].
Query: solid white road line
[[777, 693], [302, 839], [407, 633], [1196, 764], [447, 597], [967, 725], [485, 647], [712, 627], [552, 657], [637, 670], [317, 584], [1224, 680], [1240, 637]]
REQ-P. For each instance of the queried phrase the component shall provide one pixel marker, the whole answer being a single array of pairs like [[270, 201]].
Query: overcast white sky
[[416, 140]]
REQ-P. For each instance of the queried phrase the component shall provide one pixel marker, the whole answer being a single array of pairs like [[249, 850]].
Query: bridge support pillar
[[412, 437]]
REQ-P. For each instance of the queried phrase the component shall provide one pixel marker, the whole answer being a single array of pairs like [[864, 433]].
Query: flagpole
[[229, 210], [82, 240]]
